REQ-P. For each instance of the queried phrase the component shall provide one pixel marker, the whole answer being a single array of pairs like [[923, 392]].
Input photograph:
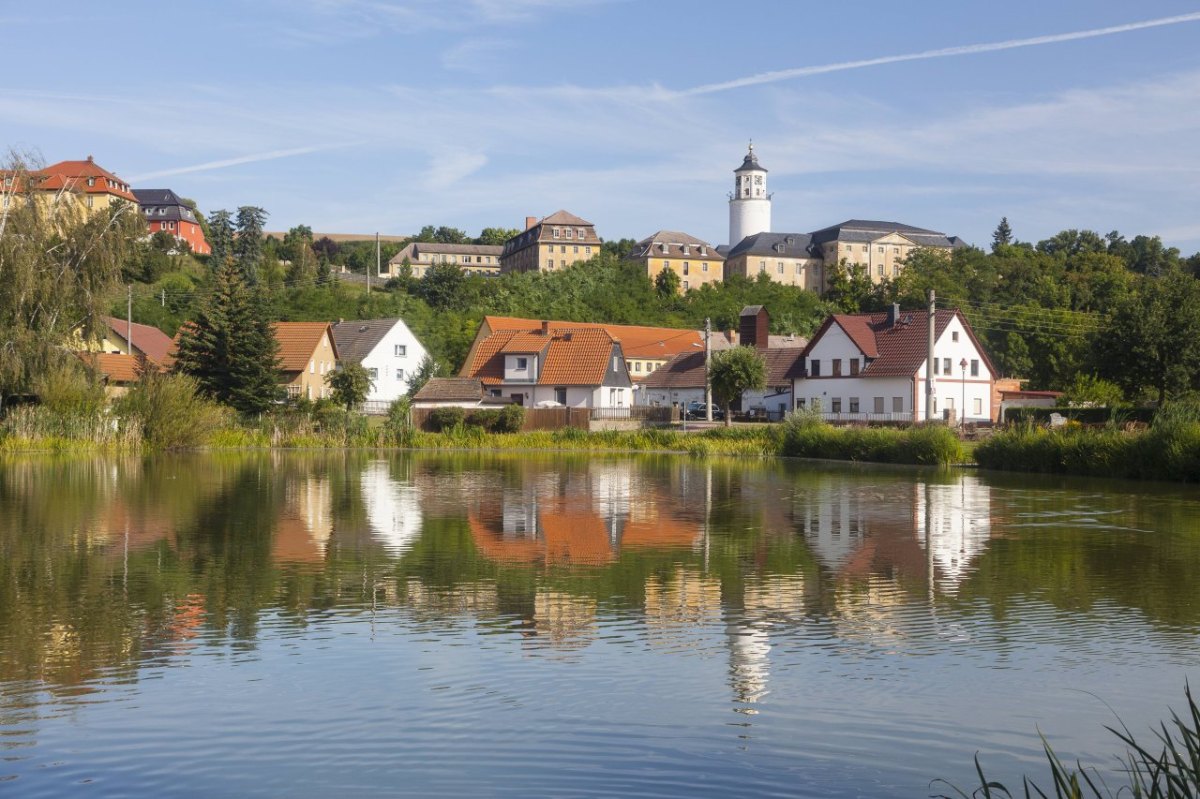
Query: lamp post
[[962, 418]]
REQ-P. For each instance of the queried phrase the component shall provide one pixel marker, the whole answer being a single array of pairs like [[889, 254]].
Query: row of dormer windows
[[569, 233]]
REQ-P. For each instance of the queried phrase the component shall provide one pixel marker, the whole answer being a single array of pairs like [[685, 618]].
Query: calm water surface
[[469, 625]]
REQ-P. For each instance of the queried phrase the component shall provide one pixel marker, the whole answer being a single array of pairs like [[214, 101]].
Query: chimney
[[754, 324], [530, 222], [545, 328], [894, 315], [90, 159]]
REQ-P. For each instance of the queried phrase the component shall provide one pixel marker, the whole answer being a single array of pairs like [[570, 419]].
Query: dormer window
[[703, 252], [686, 250], [570, 233], [556, 233], [91, 181]]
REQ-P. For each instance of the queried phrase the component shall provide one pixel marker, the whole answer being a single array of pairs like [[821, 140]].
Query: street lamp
[[962, 419]]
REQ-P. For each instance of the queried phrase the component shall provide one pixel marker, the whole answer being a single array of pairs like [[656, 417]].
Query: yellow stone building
[[878, 247], [474, 259], [552, 243], [92, 186], [783, 257], [695, 262]]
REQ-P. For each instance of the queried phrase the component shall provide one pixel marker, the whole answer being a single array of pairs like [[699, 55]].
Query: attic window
[[703, 251]]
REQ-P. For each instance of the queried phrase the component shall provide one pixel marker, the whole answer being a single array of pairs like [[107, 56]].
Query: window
[[779, 267], [835, 405], [570, 233], [91, 201], [897, 404], [91, 181], [854, 366], [762, 266], [560, 395], [550, 264], [575, 249], [799, 403], [814, 367], [556, 233], [399, 374], [637, 367], [685, 267], [879, 270], [854, 405], [946, 366], [587, 250], [562, 248], [312, 367], [522, 363], [974, 368], [896, 250], [374, 373], [758, 180], [685, 285], [881, 249], [879, 405], [616, 364], [978, 407], [954, 335], [937, 366], [704, 266], [579, 234], [837, 367]]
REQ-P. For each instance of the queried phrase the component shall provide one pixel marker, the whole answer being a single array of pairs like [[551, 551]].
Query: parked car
[[695, 410]]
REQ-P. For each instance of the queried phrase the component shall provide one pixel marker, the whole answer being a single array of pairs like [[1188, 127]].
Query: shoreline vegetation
[[167, 412]]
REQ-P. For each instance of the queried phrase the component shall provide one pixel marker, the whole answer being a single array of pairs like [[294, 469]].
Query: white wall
[[664, 397], [948, 389], [388, 386], [514, 374], [866, 389]]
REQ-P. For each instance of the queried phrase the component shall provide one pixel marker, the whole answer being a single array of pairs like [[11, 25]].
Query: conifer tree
[[230, 347], [247, 248], [220, 238], [1002, 235]]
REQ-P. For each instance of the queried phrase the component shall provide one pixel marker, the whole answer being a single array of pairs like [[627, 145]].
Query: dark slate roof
[[750, 162], [668, 243], [163, 205], [867, 230], [355, 338], [751, 310], [791, 245], [450, 389]]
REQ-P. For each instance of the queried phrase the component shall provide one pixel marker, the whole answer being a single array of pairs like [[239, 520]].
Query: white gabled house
[[871, 367], [386, 348]]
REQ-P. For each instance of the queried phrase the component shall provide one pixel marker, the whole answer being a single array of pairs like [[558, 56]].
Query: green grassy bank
[[1168, 450]]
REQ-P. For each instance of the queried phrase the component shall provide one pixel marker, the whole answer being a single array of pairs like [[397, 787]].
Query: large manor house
[[556, 241]]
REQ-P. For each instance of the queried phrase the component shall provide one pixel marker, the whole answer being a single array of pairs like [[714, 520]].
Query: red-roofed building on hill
[[94, 185], [166, 210], [581, 367], [871, 367]]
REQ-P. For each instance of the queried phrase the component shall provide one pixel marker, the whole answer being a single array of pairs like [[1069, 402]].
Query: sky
[[358, 116]]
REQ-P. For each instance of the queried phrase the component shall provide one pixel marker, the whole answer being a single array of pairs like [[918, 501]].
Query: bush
[[397, 425], [171, 412], [512, 419], [807, 436], [68, 391], [443, 419]]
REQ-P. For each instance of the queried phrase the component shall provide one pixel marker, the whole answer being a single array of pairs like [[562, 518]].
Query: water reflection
[[113, 569]]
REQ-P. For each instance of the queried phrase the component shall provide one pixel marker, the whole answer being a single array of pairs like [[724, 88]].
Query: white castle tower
[[749, 203]]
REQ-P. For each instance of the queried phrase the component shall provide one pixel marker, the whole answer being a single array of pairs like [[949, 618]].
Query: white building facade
[[871, 367], [387, 349]]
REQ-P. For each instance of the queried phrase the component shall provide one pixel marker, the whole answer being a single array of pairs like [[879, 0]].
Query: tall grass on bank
[[1169, 450], [1167, 769], [805, 435], [37, 428]]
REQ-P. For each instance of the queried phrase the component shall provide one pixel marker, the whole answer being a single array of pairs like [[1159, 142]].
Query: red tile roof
[[658, 343], [571, 357], [896, 350], [73, 176], [114, 367], [298, 341], [153, 343]]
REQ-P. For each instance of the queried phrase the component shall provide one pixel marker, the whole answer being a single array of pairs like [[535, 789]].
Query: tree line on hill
[[1080, 312]]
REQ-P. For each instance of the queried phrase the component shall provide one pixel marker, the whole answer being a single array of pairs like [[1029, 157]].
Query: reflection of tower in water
[[766, 602]]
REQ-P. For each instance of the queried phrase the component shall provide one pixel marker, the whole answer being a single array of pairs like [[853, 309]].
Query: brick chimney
[[894, 315], [545, 327], [530, 222]]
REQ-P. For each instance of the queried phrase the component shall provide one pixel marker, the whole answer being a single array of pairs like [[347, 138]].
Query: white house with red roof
[[871, 367], [575, 367]]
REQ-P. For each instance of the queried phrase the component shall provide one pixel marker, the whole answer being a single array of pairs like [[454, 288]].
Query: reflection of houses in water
[[479, 599], [581, 517], [768, 601], [880, 529], [566, 620], [393, 507], [303, 529], [684, 600]]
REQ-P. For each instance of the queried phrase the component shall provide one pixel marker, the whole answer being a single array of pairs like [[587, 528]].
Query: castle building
[[749, 202], [694, 261], [549, 244]]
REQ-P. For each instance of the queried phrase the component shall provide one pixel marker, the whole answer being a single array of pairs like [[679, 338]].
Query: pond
[[489, 625]]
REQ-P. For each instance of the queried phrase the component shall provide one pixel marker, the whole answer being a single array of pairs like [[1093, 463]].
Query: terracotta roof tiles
[[637, 341], [298, 341]]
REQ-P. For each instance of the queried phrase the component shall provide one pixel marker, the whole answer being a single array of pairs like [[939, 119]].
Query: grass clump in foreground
[[806, 435], [1169, 450], [1168, 769]]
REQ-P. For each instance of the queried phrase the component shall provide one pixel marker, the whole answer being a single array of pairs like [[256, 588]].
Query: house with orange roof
[[93, 185], [307, 352], [116, 371], [645, 348], [120, 336], [581, 367], [872, 367]]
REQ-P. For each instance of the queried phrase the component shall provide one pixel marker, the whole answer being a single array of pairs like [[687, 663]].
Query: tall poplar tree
[[230, 347]]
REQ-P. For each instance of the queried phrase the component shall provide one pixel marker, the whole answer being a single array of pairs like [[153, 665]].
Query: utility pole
[[129, 318], [376, 264], [707, 355], [929, 357]]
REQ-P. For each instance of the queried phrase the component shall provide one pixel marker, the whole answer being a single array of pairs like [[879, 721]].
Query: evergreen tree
[[248, 248], [230, 347], [1002, 235], [426, 369], [220, 238]]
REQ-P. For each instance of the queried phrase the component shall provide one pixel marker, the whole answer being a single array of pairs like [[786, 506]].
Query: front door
[[518, 398]]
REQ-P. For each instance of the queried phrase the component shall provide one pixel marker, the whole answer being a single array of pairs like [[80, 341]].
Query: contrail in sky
[[969, 49], [245, 159]]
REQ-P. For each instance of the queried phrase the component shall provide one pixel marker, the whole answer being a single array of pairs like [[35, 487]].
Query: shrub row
[[508, 419], [807, 437], [1081, 415]]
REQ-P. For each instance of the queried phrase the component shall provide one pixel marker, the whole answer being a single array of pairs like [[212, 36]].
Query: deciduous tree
[[350, 384], [733, 372]]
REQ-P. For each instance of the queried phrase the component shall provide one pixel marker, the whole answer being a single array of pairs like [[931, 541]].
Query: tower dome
[[749, 202]]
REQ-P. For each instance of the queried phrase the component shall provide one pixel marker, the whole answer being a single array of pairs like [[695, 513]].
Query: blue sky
[[364, 115]]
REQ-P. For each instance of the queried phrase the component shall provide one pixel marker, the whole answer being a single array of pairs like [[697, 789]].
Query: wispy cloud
[[945, 52], [224, 163]]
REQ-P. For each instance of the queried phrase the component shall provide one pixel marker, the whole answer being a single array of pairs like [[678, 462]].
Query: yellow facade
[[882, 258], [805, 273], [692, 272]]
